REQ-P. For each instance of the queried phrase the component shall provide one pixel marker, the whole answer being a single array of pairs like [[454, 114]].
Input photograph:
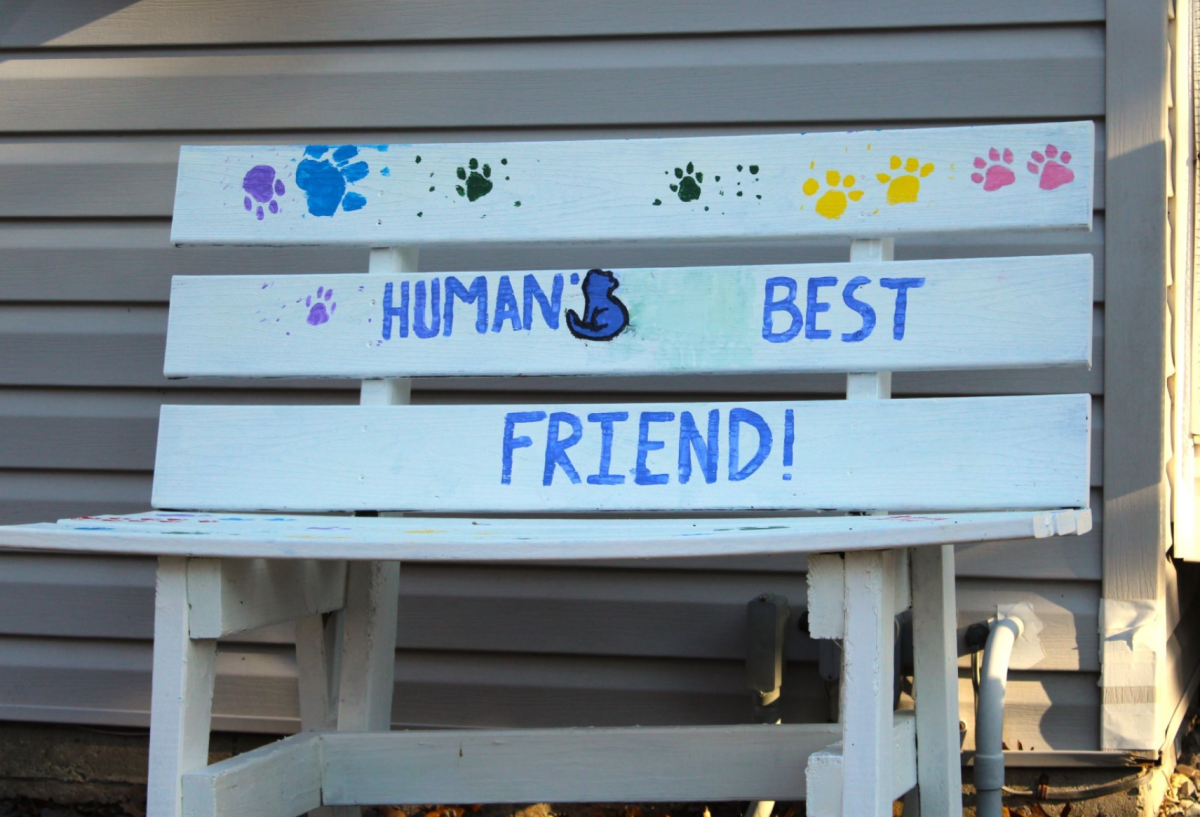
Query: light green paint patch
[[721, 310]]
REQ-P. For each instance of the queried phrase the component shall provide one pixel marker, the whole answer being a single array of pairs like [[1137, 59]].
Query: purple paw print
[[261, 186], [321, 308]]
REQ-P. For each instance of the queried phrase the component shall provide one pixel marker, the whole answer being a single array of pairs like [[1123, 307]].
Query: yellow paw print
[[833, 203], [904, 189]]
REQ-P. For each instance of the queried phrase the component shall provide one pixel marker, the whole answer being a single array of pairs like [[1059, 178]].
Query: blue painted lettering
[[390, 312], [506, 306], [902, 286], [550, 306], [606, 420], [556, 449], [815, 307], [642, 475], [787, 304], [420, 329], [477, 294], [789, 436], [865, 310], [737, 417], [706, 450], [512, 443]]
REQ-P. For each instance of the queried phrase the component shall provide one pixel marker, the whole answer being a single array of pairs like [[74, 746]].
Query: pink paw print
[[1051, 168], [997, 175]]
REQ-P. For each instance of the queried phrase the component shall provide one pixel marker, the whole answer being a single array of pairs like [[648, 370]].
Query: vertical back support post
[[366, 631], [939, 771], [868, 643]]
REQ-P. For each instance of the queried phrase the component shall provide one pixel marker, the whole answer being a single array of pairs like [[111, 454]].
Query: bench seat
[[424, 539]]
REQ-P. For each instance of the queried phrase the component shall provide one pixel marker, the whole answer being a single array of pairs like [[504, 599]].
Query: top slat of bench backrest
[[861, 184]]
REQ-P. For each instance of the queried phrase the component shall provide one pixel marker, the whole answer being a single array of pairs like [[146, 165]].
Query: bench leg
[[369, 647], [181, 694], [318, 661], [867, 682], [347, 660], [935, 681]]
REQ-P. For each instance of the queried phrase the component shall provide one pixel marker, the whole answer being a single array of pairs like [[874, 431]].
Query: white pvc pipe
[[989, 719]]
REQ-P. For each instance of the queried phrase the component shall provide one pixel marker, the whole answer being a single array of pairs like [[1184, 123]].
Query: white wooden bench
[[237, 550]]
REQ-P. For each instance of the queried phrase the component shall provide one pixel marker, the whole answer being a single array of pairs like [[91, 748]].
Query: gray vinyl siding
[[95, 109]]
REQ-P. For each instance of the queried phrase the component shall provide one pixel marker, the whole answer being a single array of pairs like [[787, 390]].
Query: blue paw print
[[324, 180]]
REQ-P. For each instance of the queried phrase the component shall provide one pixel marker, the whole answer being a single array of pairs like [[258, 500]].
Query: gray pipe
[[989, 718]]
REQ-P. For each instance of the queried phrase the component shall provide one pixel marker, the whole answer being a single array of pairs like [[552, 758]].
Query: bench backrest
[[904, 455]]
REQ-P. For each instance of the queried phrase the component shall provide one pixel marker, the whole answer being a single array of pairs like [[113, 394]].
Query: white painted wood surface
[[865, 183], [824, 777], [865, 692], [281, 779], [181, 696], [826, 580], [914, 316], [430, 539], [318, 662], [230, 596], [935, 681], [904, 455], [573, 765]]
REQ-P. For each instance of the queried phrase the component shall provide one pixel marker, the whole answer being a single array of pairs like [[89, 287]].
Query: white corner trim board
[[907, 316], [858, 184]]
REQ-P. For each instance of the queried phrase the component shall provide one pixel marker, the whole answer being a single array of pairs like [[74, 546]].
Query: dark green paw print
[[688, 188], [477, 184]]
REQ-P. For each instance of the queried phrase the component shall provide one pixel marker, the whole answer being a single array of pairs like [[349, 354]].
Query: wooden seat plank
[[418, 539], [912, 316], [728, 188], [966, 454]]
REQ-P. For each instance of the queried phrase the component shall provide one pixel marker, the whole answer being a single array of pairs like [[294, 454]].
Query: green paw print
[[688, 188], [477, 184]]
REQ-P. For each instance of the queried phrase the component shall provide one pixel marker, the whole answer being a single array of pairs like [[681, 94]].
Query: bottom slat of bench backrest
[[904, 455], [654, 764]]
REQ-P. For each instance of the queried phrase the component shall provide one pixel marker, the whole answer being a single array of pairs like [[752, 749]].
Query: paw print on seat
[[324, 181], [1051, 168], [904, 187], [476, 185], [833, 203], [998, 174]]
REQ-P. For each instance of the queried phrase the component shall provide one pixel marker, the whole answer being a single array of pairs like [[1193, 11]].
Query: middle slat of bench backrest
[[904, 455], [906, 316]]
